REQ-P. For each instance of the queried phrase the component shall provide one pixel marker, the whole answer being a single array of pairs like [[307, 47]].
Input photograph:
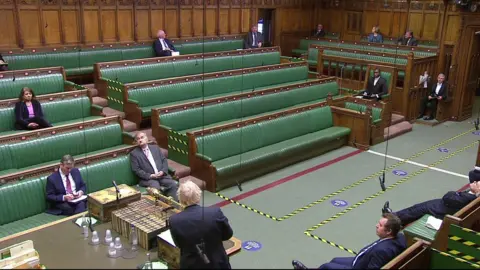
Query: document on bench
[[167, 236], [433, 223], [81, 198]]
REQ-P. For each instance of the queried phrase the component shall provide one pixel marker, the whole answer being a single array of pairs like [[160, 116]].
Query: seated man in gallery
[[376, 87]]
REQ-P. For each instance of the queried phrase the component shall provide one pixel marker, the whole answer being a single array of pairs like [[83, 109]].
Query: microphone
[[201, 254], [115, 185], [382, 181]]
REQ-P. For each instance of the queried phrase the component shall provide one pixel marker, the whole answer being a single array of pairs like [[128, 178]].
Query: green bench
[[42, 81], [113, 77], [24, 203], [421, 43], [304, 44], [234, 154], [80, 139], [189, 117], [170, 92], [59, 109], [80, 60]]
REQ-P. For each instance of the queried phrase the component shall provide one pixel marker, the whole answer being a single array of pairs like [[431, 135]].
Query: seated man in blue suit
[[389, 245], [199, 231], [449, 204], [64, 186], [163, 46]]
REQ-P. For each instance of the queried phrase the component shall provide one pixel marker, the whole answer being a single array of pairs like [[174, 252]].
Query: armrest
[[97, 107], [134, 101], [131, 136], [203, 157], [165, 127], [74, 85]]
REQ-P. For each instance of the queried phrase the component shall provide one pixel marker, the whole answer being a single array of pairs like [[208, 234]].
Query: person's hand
[[79, 194], [365, 94], [153, 176], [475, 187], [439, 98], [69, 197], [259, 44], [32, 125], [159, 174], [429, 97]]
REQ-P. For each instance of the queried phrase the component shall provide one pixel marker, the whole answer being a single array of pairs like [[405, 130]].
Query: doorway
[[265, 25]]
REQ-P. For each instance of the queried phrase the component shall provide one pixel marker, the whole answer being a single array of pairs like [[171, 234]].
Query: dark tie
[[69, 185]]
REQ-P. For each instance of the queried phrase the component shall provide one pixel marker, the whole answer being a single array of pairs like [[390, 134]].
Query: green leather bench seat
[[209, 46], [81, 61], [153, 97], [24, 203], [267, 143], [58, 112], [225, 112], [156, 71], [18, 156], [376, 112], [41, 85], [418, 229], [305, 43]]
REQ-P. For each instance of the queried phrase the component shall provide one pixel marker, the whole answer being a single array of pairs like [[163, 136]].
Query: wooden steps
[[398, 127]]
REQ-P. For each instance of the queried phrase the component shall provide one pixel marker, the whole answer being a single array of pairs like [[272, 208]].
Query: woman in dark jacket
[[28, 111]]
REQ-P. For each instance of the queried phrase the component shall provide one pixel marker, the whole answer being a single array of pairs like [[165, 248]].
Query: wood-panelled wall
[[32, 23]]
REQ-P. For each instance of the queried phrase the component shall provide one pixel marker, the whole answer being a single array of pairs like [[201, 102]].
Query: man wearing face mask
[[63, 187], [389, 245]]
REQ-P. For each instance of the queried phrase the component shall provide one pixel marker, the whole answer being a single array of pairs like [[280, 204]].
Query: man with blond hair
[[162, 45], [199, 231]]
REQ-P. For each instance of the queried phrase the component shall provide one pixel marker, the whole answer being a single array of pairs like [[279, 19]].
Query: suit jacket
[[247, 43], [379, 89], [157, 46], [377, 39], [381, 253], [403, 41], [142, 167], [442, 93], [316, 33], [195, 223], [21, 111], [456, 200], [55, 189]]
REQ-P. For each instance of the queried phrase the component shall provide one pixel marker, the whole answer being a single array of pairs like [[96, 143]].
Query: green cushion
[[418, 229], [41, 85], [376, 112]]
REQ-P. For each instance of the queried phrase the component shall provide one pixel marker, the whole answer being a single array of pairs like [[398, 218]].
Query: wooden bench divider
[[416, 256], [161, 134]]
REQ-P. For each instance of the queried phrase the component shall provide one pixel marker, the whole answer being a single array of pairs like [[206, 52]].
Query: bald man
[[162, 45], [151, 167]]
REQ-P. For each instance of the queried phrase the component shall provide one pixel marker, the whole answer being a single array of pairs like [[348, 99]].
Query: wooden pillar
[[406, 85], [320, 61], [16, 14]]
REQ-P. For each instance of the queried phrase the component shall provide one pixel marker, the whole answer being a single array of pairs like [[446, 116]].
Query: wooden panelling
[[51, 21], [92, 32], [29, 21], [109, 30], [125, 25], [415, 23], [235, 21], [199, 22], [8, 35], [142, 27], [156, 16], [246, 20], [225, 20], [211, 22], [430, 26], [171, 22], [70, 26], [451, 31], [186, 22]]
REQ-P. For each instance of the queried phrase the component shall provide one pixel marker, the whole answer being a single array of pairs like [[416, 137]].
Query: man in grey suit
[[151, 166], [253, 39]]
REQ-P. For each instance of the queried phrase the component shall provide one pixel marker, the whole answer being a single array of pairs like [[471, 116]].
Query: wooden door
[[473, 76]]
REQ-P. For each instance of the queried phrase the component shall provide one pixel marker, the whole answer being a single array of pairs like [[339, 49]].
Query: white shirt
[[424, 78], [253, 39], [376, 80], [149, 156], [439, 85], [164, 44]]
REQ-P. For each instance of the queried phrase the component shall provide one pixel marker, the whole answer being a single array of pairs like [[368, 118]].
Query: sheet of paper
[[175, 53], [167, 236], [87, 219], [433, 223], [81, 198]]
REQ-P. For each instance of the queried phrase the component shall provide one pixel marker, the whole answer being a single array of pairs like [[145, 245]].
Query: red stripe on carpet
[[288, 178]]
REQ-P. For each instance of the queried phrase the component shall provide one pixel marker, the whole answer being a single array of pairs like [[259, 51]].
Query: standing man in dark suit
[[389, 245], [449, 204], [163, 46], [199, 232], [376, 86], [254, 39], [319, 32], [64, 186], [438, 92], [408, 39], [151, 167]]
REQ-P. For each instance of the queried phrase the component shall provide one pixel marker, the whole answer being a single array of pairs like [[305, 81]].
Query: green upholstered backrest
[[376, 112], [155, 71], [442, 260], [164, 94], [54, 146], [218, 112], [6, 157], [25, 61], [232, 142], [54, 111], [27, 197], [208, 46], [138, 52], [41, 85]]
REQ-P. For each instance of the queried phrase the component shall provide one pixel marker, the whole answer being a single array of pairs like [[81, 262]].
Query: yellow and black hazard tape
[[470, 231], [463, 256], [177, 149], [465, 242], [178, 140], [456, 258], [396, 184], [331, 243], [357, 183]]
